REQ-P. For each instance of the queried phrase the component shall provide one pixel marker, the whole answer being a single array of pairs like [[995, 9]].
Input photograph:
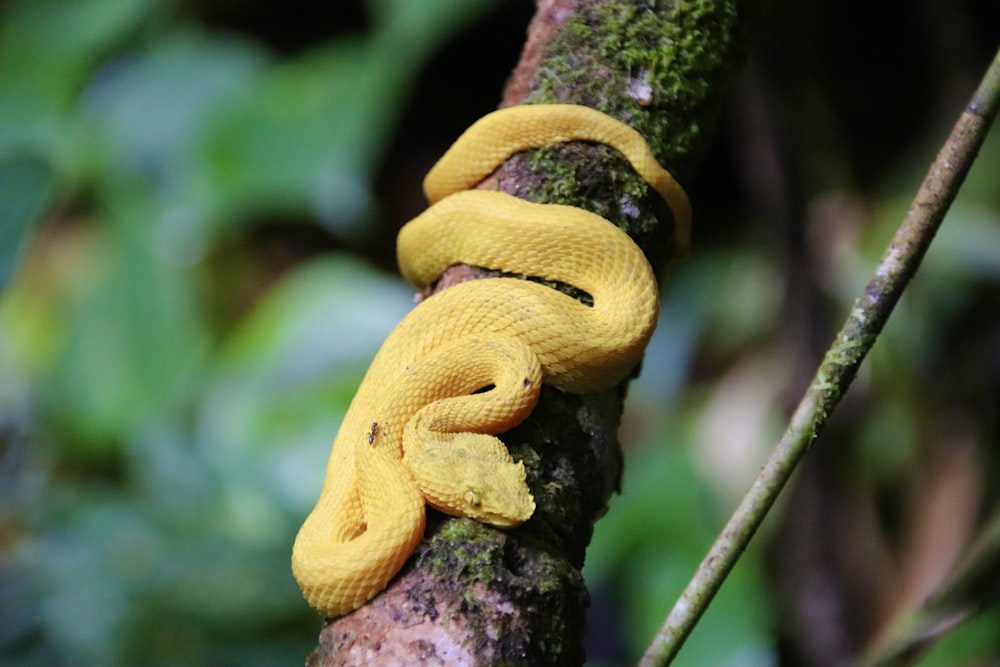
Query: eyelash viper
[[419, 428]]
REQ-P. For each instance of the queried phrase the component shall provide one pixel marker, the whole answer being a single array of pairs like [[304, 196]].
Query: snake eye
[[472, 498]]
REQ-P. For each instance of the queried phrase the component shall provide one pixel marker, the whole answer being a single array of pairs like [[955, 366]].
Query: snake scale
[[420, 429]]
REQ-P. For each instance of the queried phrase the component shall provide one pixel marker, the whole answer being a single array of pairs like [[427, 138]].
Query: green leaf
[[308, 141], [150, 108], [286, 377], [27, 183], [134, 346], [649, 545], [48, 48]]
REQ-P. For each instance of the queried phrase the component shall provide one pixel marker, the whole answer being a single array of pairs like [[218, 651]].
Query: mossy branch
[[488, 596], [865, 322]]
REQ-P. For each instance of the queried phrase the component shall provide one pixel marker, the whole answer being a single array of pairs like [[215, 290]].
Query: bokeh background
[[198, 202]]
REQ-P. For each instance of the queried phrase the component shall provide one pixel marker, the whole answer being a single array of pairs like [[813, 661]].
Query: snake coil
[[419, 430]]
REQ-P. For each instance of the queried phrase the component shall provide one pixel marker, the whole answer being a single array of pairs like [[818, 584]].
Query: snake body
[[419, 430]]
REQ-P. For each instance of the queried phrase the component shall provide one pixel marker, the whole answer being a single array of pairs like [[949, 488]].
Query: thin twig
[[864, 323]]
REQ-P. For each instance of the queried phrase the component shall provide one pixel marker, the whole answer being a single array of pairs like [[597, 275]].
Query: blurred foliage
[[156, 460], [180, 186]]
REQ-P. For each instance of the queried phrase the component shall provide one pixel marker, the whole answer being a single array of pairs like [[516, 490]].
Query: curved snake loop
[[420, 430]]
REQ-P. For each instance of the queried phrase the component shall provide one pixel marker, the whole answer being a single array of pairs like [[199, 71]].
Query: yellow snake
[[418, 429]]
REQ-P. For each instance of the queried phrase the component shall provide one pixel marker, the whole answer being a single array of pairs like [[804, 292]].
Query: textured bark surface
[[475, 595]]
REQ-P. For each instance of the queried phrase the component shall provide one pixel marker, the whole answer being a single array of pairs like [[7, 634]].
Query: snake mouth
[[507, 509], [501, 522]]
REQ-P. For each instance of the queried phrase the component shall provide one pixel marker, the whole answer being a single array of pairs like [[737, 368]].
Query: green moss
[[471, 549], [652, 68]]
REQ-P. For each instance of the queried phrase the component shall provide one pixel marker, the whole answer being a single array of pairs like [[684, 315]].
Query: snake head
[[471, 475], [498, 496], [504, 505]]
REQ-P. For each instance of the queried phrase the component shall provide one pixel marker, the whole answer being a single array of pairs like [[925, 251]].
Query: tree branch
[[864, 324], [473, 594]]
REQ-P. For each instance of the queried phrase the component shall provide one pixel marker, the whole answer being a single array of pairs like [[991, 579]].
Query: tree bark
[[475, 595]]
